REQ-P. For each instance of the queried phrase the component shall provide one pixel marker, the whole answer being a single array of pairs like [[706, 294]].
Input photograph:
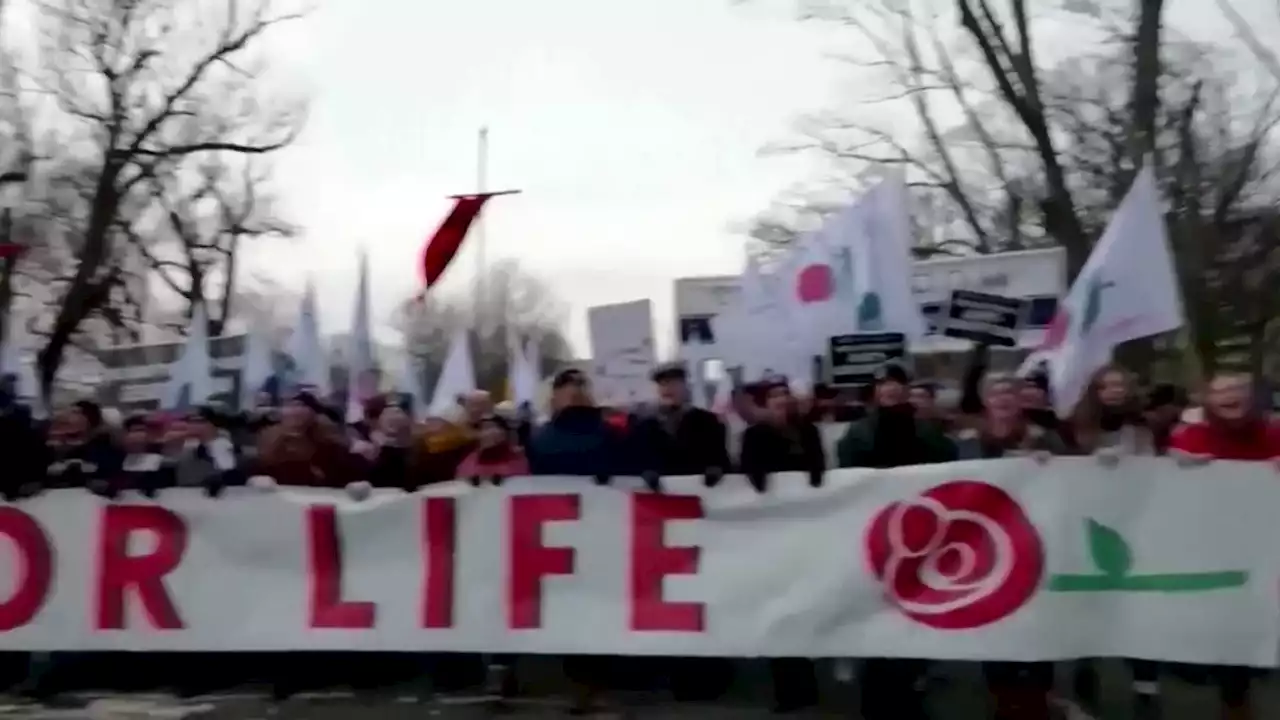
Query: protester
[[678, 438], [306, 448], [1165, 405], [578, 440], [496, 456], [389, 449], [889, 437], [1021, 690], [82, 451], [207, 457], [21, 440], [1108, 419], [445, 443], [144, 469], [782, 441], [1234, 427]]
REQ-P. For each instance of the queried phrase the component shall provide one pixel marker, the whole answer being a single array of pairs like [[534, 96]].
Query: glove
[[713, 476], [652, 480], [602, 480], [1042, 457], [496, 480], [263, 483], [1108, 457], [475, 481], [213, 486], [149, 491], [759, 481], [1190, 460], [30, 490], [359, 490], [816, 476], [103, 489]]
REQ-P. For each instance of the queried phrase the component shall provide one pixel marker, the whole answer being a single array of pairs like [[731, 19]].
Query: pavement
[[956, 692]]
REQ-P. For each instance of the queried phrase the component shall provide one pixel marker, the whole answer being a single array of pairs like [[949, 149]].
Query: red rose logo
[[960, 556], [815, 284]]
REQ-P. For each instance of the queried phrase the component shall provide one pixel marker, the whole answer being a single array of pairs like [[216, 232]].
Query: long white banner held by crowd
[[979, 560]]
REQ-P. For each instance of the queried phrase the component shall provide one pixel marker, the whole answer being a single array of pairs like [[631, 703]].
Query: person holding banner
[[82, 451], [1021, 690], [306, 448], [780, 440], [1233, 427], [678, 438], [890, 437]]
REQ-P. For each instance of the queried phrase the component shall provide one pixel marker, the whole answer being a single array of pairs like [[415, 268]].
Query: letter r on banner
[[529, 560], [118, 570], [652, 560], [35, 568], [324, 552]]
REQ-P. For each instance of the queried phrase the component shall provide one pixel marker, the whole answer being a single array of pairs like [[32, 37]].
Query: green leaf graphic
[[1110, 552]]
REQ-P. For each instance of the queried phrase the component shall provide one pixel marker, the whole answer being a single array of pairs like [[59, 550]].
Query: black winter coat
[[699, 442]]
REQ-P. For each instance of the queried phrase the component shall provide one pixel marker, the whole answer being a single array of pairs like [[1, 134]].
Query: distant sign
[[855, 359], [984, 318]]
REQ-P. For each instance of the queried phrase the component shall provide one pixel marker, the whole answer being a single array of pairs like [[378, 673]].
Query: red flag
[[447, 240]]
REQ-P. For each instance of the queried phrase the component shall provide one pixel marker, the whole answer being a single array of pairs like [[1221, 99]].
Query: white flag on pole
[[191, 375], [880, 235], [458, 376], [1128, 289], [362, 374], [310, 363]]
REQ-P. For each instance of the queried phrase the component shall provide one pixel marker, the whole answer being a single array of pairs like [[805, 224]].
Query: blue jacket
[[578, 441]]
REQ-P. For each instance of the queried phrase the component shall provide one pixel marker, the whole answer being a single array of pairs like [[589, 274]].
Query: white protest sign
[[622, 352]]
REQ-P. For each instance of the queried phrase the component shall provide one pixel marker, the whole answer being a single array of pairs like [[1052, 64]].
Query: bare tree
[[139, 90], [197, 230], [515, 304]]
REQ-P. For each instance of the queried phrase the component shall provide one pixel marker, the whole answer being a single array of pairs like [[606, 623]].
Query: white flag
[[258, 366], [880, 235], [310, 363], [1128, 289], [524, 379], [458, 376], [362, 374], [191, 375]]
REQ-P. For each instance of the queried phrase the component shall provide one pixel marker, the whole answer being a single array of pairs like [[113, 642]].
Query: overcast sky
[[631, 127]]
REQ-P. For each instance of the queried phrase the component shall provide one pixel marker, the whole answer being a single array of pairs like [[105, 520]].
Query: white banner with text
[[1003, 560]]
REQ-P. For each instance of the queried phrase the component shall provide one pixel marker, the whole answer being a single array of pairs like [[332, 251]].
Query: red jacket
[[1257, 441], [507, 465]]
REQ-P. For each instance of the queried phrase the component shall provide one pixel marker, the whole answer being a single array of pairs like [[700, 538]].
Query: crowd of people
[[302, 441]]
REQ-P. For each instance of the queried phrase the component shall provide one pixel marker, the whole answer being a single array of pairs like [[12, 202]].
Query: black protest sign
[[855, 359], [984, 318]]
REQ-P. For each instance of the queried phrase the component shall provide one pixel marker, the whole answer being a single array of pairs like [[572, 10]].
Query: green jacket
[[854, 448]]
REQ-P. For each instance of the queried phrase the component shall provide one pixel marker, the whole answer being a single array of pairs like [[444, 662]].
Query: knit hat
[[91, 410]]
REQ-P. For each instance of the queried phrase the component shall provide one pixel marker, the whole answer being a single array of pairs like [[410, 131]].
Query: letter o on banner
[[35, 568]]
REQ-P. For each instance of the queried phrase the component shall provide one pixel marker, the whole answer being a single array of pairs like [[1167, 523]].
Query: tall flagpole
[[482, 186]]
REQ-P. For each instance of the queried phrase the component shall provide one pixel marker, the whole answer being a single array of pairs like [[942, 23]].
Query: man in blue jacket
[[577, 440]]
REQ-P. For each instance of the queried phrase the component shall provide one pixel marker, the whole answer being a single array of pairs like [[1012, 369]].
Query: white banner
[[977, 560]]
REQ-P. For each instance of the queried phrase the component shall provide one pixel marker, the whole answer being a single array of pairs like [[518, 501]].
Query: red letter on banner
[[439, 539], [530, 559], [118, 570], [652, 560], [35, 568], [324, 552]]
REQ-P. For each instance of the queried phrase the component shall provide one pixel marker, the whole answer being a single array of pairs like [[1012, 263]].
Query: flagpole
[[482, 186]]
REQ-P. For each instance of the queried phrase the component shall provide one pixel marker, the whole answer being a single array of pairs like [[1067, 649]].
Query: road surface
[[956, 693]]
